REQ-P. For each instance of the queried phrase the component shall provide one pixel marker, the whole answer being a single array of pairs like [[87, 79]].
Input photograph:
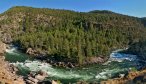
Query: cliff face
[[7, 71]]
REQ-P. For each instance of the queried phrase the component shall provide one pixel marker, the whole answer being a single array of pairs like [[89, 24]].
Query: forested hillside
[[138, 48], [68, 34], [144, 21]]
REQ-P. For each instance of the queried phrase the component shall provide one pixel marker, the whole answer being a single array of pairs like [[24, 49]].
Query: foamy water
[[52, 72], [117, 63], [12, 50]]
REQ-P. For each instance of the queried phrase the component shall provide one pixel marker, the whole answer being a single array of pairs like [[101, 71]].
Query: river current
[[117, 65]]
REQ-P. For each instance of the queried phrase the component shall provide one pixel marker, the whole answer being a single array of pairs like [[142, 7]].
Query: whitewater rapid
[[35, 66], [117, 63], [120, 57]]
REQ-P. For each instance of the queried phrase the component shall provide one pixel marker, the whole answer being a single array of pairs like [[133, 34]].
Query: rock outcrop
[[95, 60], [7, 71], [36, 78]]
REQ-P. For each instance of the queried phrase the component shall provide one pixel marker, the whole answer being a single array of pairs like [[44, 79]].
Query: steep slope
[[133, 77], [79, 37], [138, 48], [143, 20], [7, 72]]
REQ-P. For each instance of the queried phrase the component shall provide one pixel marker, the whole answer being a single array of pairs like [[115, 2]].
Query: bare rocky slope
[[133, 77], [7, 71]]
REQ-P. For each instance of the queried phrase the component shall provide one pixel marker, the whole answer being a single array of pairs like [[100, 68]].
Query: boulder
[[40, 77], [121, 75], [13, 68], [54, 82], [33, 80], [36, 78], [29, 82], [32, 74], [43, 73], [70, 65], [92, 60], [30, 51]]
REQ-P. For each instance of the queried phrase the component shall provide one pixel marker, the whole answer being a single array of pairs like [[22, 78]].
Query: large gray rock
[[40, 77], [30, 51], [43, 73], [35, 81], [92, 60]]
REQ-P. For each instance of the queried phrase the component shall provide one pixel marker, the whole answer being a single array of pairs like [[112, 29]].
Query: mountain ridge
[[90, 11]]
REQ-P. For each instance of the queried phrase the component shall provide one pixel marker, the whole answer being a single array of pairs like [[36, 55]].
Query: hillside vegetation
[[138, 48], [65, 34]]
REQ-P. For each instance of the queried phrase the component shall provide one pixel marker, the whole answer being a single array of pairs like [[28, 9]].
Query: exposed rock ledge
[[7, 71]]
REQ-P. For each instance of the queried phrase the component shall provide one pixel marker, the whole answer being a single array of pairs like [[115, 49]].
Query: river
[[118, 64]]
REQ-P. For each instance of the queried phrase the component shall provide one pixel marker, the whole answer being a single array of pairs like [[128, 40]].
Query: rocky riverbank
[[37, 77], [65, 62], [37, 65], [133, 77], [7, 71]]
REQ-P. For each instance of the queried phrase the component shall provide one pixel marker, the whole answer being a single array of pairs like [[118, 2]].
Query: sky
[[128, 7]]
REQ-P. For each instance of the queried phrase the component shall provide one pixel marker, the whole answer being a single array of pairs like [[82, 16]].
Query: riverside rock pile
[[37, 78]]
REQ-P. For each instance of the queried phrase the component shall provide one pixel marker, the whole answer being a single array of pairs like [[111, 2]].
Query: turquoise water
[[117, 64]]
